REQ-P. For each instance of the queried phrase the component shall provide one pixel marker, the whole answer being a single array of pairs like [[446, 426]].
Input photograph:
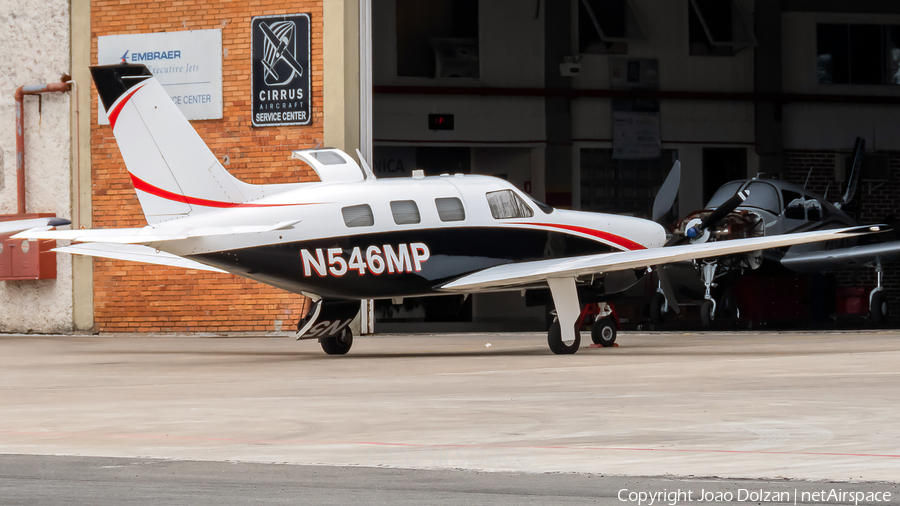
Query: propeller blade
[[720, 212], [668, 192]]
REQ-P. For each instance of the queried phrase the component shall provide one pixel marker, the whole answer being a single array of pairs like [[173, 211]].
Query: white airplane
[[351, 236]]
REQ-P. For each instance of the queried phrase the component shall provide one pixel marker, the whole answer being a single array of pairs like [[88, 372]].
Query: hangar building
[[546, 94]]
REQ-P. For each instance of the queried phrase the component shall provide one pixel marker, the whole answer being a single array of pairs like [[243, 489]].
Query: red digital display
[[440, 122]]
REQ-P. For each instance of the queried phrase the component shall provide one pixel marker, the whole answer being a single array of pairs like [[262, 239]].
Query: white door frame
[[367, 317]]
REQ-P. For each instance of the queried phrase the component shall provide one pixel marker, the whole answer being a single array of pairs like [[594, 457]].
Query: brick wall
[[875, 202], [136, 297]]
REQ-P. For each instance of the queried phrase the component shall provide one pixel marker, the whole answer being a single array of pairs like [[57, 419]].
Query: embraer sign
[[280, 68], [187, 64]]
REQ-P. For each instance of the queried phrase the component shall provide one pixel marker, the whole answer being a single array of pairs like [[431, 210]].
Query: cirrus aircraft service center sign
[[280, 70]]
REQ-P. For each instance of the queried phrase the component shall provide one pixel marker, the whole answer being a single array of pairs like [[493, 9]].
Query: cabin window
[[813, 209], [328, 157], [450, 209], [358, 216], [794, 210], [405, 212], [506, 204]]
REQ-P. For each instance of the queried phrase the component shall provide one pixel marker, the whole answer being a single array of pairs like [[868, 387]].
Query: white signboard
[[187, 64], [636, 135]]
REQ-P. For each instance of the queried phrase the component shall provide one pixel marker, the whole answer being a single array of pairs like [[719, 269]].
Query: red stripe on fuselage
[[606, 236], [114, 114], [140, 184]]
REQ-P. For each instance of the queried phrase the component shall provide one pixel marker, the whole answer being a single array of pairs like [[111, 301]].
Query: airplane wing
[[830, 259], [10, 227], [523, 273], [134, 253], [148, 234]]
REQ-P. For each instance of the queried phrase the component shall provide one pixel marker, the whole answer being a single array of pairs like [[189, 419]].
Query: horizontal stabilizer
[[148, 235], [514, 275], [10, 227], [134, 253]]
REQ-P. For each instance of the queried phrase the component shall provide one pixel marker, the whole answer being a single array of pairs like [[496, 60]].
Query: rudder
[[173, 171]]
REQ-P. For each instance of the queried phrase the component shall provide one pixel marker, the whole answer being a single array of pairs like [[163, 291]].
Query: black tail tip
[[113, 81]]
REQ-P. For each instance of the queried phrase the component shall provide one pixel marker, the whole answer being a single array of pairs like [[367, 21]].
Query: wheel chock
[[615, 345]]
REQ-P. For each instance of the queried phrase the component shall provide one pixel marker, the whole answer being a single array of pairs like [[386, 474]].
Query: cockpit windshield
[[725, 192], [762, 195], [542, 206]]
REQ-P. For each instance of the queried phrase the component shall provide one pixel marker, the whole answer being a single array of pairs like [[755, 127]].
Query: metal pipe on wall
[[21, 91]]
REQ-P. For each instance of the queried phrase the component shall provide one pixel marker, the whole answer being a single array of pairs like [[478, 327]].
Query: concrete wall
[[34, 49]]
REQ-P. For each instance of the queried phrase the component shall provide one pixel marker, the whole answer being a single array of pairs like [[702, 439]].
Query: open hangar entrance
[[420, 51], [488, 87], [585, 104]]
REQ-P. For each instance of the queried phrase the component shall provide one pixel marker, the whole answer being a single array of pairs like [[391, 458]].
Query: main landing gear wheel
[[603, 332], [707, 313], [338, 344], [879, 309], [557, 345], [657, 314]]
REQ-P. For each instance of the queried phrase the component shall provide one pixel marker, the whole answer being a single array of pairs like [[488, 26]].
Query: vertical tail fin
[[173, 171]]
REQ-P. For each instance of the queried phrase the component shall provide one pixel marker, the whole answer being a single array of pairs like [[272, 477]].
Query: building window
[[858, 54], [405, 212], [450, 209], [720, 166], [506, 204], [602, 27], [358, 216], [718, 28], [438, 38], [618, 186]]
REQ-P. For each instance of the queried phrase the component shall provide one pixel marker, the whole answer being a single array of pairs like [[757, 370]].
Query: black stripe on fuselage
[[453, 252]]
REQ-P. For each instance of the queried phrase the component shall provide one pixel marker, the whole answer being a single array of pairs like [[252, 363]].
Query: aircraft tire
[[603, 332], [338, 344], [879, 310], [557, 345], [706, 314], [657, 315]]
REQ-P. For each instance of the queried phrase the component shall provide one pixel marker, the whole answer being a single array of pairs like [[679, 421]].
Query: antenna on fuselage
[[365, 166]]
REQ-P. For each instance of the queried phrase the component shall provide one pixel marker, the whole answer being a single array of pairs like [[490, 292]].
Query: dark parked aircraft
[[756, 208]]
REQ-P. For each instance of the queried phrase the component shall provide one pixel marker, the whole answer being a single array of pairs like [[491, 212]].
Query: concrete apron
[[773, 405]]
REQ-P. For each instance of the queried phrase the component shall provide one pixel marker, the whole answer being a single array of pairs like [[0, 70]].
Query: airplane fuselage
[[403, 237]]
